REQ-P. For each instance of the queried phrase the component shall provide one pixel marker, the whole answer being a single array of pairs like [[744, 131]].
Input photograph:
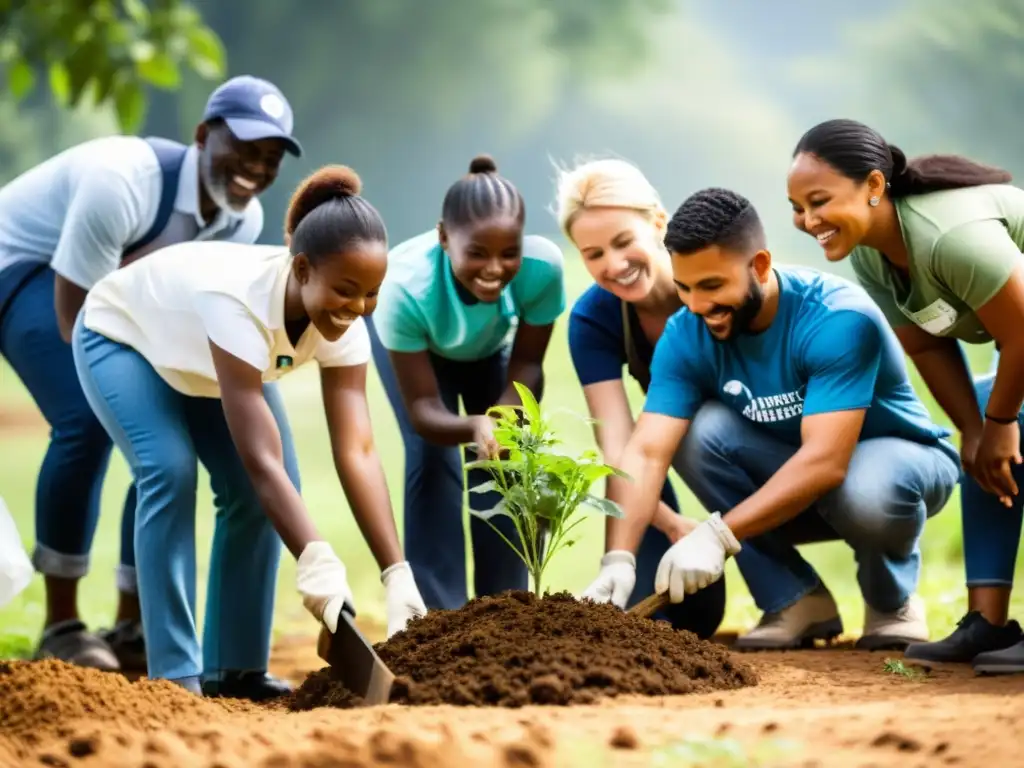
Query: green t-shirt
[[419, 307], [963, 245]]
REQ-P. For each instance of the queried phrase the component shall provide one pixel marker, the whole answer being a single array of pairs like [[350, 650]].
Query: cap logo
[[273, 105]]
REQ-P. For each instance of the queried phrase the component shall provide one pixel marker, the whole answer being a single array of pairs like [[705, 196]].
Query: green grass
[[23, 447]]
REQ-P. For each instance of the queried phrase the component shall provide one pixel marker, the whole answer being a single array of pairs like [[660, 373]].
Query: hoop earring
[[873, 202]]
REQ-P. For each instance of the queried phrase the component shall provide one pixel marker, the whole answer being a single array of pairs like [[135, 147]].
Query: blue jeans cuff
[[1006, 583], [50, 562], [777, 605]]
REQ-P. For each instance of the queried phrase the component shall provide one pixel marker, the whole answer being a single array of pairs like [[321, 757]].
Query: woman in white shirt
[[172, 352]]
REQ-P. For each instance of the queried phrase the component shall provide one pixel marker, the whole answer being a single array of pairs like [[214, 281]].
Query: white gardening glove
[[696, 560], [616, 579], [403, 597], [323, 583]]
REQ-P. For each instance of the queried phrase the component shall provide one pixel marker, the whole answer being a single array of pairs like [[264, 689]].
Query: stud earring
[[873, 202]]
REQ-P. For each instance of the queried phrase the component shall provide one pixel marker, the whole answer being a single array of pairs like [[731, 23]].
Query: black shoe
[[128, 644], [1007, 661], [251, 685], [973, 635]]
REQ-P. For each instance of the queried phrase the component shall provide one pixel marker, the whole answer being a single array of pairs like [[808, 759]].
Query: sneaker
[[894, 631], [1007, 661], [251, 685], [973, 635], [813, 617], [72, 642], [128, 644]]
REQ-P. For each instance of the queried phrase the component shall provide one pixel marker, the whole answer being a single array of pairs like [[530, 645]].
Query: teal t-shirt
[[419, 307]]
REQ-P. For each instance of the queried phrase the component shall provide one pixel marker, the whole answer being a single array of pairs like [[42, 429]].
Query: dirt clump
[[517, 649], [41, 697]]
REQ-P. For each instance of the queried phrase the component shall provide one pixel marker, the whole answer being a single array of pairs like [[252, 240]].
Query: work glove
[[403, 597], [323, 583], [696, 560], [615, 580]]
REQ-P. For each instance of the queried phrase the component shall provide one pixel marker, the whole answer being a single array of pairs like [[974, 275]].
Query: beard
[[744, 314]]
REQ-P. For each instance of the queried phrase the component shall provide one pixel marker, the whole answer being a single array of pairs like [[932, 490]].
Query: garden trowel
[[355, 662], [649, 606]]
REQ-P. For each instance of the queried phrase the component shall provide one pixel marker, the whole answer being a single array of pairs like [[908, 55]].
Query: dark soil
[[517, 649]]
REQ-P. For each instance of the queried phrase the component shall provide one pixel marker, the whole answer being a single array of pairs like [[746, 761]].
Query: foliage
[[898, 668], [541, 489], [107, 49]]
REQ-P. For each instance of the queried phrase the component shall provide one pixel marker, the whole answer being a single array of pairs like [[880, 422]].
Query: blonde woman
[[614, 217]]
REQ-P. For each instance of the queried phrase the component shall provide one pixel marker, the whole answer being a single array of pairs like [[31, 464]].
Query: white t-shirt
[[81, 208], [171, 304]]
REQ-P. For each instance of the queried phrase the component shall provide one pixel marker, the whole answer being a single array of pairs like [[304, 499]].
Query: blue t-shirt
[[828, 349], [421, 307], [597, 337]]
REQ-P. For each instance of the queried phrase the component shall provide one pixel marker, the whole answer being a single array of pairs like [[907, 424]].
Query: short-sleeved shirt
[[171, 304], [963, 245], [420, 307], [603, 332], [829, 348], [80, 209]]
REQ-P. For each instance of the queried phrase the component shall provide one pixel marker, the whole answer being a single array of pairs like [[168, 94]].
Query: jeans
[[434, 486], [70, 481], [892, 487], [991, 531], [162, 433]]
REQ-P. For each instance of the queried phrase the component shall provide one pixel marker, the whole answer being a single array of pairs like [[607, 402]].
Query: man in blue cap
[[66, 223]]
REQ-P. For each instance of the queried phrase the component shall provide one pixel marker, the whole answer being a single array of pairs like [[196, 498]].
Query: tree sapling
[[541, 488]]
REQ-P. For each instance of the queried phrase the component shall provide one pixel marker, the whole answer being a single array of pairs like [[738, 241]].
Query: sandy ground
[[819, 707]]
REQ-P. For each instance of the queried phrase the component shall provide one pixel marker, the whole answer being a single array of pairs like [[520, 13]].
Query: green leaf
[[530, 406], [60, 85], [604, 506], [485, 487], [159, 71], [130, 103], [141, 50], [498, 510], [21, 79], [206, 53], [494, 465], [136, 10]]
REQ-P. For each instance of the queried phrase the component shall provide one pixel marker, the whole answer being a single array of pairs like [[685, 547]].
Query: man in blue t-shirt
[[800, 425]]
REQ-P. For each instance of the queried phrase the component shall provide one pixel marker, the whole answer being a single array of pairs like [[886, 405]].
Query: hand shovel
[[649, 605], [352, 657]]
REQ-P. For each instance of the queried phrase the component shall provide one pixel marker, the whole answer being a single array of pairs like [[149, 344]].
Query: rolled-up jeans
[[892, 487], [162, 433]]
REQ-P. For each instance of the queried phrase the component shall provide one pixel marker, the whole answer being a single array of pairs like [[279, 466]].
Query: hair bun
[[483, 164], [328, 183]]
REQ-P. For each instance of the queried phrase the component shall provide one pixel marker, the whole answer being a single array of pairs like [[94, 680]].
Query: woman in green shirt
[[937, 242]]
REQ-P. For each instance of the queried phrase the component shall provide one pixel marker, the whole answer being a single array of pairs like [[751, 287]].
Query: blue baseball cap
[[253, 109]]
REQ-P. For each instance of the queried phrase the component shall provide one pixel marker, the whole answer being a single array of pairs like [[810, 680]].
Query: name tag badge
[[937, 318], [284, 361]]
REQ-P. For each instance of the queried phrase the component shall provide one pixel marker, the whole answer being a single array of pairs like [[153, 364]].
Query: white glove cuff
[[398, 568], [725, 534], [617, 557], [317, 552]]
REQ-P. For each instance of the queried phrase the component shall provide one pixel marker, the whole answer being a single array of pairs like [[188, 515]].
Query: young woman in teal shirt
[[937, 242], [466, 309]]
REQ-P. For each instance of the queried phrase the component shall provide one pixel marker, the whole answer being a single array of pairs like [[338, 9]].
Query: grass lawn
[[23, 439]]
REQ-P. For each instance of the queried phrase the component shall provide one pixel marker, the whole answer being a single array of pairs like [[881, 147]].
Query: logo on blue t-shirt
[[771, 408]]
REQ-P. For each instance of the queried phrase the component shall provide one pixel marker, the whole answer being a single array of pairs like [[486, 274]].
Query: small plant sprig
[[541, 488], [897, 667]]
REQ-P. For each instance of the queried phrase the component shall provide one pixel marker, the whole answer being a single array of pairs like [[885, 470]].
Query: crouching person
[[787, 397], [172, 352]]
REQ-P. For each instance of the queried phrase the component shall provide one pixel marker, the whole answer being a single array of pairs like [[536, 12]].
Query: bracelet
[[997, 420]]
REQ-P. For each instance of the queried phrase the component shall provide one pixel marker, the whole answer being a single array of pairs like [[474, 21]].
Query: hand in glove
[[323, 583], [616, 579], [403, 597], [696, 560]]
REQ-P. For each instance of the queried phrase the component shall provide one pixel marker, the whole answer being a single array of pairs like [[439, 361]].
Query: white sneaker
[[896, 630], [813, 617]]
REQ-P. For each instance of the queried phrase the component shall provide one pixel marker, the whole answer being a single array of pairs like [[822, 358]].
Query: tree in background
[[109, 49]]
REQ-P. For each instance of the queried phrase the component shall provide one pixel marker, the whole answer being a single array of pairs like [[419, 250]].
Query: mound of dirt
[[517, 649], [41, 697]]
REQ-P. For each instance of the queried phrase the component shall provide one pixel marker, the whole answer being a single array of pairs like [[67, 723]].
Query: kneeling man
[[787, 396]]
